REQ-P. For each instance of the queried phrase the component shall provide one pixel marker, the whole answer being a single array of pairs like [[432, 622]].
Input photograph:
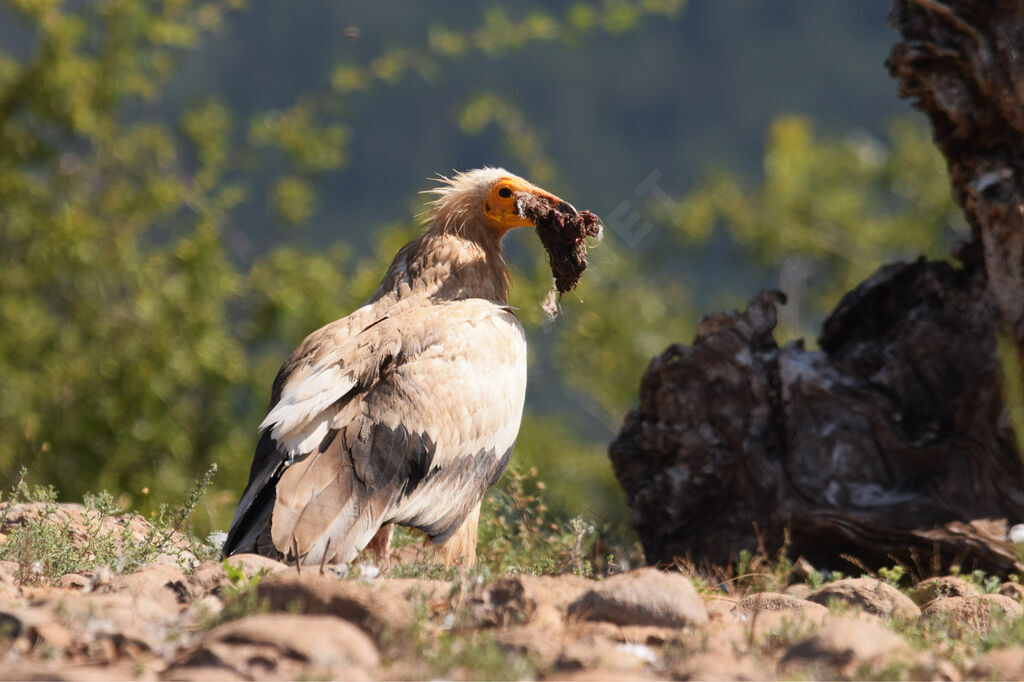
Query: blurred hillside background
[[188, 188]]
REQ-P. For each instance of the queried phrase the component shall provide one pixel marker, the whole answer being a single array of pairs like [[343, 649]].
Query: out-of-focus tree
[[119, 367], [829, 211], [140, 329]]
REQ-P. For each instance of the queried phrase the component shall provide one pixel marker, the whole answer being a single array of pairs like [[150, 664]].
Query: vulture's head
[[492, 198]]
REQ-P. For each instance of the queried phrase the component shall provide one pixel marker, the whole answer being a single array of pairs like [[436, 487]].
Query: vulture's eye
[[504, 192]]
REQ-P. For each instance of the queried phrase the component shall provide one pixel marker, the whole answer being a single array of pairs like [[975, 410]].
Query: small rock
[[594, 646], [597, 675], [285, 645], [650, 635], [51, 670], [119, 624], [934, 588], [1014, 591], [785, 624], [1001, 664], [718, 607], [519, 599], [766, 602], [718, 666], [207, 606], [52, 635], [646, 596], [379, 614], [542, 643], [200, 673], [101, 575], [979, 613], [848, 644], [210, 574], [73, 581], [873, 596], [798, 590], [166, 584]]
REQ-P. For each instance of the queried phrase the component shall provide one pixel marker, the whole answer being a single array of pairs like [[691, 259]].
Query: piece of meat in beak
[[533, 205]]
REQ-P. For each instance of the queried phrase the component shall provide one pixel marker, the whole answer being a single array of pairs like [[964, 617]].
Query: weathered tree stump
[[891, 443]]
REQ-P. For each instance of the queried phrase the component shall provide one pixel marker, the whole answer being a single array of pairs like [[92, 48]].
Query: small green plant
[[893, 575], [757, 571], [987, 584], [518, 534], [48, 542], [241, 593]]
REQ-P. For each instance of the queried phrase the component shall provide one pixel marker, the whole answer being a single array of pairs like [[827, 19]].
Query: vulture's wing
[[407, 421], [277, 448]]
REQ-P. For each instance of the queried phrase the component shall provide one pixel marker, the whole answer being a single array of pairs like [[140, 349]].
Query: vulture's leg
[[380, 547], [461, 545]]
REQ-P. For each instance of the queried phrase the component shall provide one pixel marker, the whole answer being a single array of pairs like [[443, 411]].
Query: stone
[[718, 666], [52, 634], [73, 581], [947, 586], [526, 598], [798, 590], [165, 584], [646, 596], [770, 602], [108, 626], [775, 624], [210, 575], [283, 645], [39, 629], [1000, 664], [718, 607], [200, 673], [376, 612], [595, 646], [979, 613], [542, 643], [597, 675], [206, 606], [50, 670], [1014, 591], [870, 595], [651, 635], [847, 644]]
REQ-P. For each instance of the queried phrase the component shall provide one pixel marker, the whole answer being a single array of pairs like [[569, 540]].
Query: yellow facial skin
[[500, 203]]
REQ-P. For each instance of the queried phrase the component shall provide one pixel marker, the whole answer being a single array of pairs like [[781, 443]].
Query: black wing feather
[[257, 503]]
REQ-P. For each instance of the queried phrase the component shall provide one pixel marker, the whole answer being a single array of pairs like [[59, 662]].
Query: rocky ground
[[255, 618]]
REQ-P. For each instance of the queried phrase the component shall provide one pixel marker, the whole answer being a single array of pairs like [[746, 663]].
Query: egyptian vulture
[[407, 410]]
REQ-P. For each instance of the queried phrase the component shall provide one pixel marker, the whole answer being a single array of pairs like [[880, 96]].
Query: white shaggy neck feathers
[[458, 255], [457, 208]]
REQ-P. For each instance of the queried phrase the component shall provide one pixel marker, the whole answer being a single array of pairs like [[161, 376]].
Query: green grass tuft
[[46, 547]]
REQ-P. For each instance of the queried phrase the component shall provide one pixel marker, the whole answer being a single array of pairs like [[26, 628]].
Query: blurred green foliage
[[830, 211], [142, 329]]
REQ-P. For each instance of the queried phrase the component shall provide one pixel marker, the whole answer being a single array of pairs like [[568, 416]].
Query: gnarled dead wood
[[892, 442]]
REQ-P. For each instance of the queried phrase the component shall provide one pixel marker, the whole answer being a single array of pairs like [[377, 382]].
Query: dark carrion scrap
[[563, 235]]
